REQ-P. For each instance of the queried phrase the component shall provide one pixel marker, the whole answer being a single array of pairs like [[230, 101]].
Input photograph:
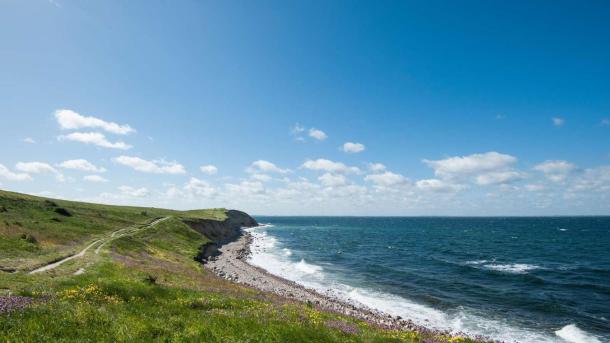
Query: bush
[[50, 203], [3, 209], [62, 211], [31, 239], [152, 280], [28, 238], [144, 213]]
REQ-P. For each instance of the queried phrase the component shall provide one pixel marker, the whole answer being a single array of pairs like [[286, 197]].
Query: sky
[[466, 108]]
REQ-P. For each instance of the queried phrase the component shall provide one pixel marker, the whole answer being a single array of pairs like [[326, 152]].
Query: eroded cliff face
[[219, 232]]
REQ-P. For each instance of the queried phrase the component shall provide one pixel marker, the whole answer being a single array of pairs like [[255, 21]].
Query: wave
[[270, 255], [511, 268], [573, 334], [515, 268]]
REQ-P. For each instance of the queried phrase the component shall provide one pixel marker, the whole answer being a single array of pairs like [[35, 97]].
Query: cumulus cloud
[[501, 177], [12, 176], [322, 164], [29, 140], [155, 167], [94, 178], [94, 138], [376, 167], [350, 147], [246, 188], [209, 169], [70, 120], [261, 177], [265, 167], [199, 188], [39, 168], [471, 164], [386, 179], [317, 134], [439, 186], [81, 164], [556, 170], [558, 121], [332, 180], [592, 180], [134, 192]]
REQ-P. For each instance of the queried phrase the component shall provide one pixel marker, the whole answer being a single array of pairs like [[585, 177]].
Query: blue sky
[[472, 108]]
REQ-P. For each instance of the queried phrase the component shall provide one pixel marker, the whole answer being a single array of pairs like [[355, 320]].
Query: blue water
[[514, 279]]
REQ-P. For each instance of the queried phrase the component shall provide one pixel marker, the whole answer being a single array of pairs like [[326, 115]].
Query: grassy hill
[[142, 283]]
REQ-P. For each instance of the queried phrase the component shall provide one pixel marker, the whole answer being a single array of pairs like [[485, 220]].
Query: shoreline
[[231, 264]]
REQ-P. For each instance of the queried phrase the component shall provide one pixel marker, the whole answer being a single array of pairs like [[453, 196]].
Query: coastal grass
[[35, 230], [146, 286]]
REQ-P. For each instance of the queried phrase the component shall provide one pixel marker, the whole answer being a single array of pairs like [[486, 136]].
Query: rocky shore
[[231, 264]]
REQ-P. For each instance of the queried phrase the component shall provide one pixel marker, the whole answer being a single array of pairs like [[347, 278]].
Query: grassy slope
[[147, 287]]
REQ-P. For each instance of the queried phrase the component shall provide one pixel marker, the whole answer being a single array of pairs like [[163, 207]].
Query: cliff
[[219, 232]]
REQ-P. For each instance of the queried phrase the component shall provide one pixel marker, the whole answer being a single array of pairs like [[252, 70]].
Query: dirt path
[[103, 241]]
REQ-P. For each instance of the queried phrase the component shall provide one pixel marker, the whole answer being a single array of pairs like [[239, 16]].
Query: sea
[[513, 279]]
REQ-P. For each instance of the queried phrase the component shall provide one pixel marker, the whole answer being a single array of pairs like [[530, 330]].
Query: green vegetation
[[144, 285]]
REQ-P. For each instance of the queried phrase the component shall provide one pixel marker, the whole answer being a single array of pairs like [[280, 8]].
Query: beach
[[232, 264]]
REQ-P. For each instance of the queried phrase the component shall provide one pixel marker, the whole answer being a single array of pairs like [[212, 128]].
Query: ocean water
[[513, 279]]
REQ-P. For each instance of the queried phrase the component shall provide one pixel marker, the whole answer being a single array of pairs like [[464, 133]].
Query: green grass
[[146, 287], [52, 235]]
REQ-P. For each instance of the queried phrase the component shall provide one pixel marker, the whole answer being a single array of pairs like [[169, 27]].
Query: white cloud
[[332, 180], [558, 121], [329, 166], [555, 171], [353, 147], [261, 177], [265, 167], [386, 179], [439, 186], [199, 188], [605, 121], [471, 164], [134, 192], [376, 167], [81, 164], [592, 180], [297, 129], [29, 140], [94, 178], [70, 120], [246, 188], [35, 167], [500, 177], [39, 168], [532, 187], [12, 176], [209, 169], [317, 134], [94, 138], [156, 167]]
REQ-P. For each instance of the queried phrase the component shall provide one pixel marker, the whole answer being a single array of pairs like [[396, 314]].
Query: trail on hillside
[[103, 241]]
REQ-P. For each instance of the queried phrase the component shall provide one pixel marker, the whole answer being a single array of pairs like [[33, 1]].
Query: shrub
[[152, 280], [50, 203], [62, 211], [144, 213], [30, 239], [3, 209]]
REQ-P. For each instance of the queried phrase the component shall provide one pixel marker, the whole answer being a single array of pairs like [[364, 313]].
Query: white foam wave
[[287, 252], [515, 268], [573, 334], [268, 254]]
